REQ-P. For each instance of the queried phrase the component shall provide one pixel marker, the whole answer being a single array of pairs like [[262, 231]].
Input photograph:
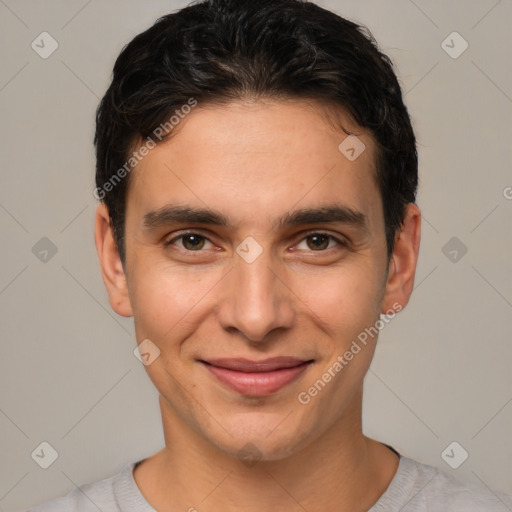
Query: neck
[[341, 466]]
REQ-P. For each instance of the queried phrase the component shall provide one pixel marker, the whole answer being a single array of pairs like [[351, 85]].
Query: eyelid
[[341, 241], [184, 233]]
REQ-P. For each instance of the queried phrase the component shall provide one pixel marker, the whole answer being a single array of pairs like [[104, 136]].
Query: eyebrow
[[332, 213]]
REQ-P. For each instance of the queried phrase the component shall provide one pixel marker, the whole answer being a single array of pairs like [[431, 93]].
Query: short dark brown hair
[[225, 50]]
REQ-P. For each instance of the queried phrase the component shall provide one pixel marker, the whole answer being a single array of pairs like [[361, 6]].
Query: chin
[[250, 451], [261, 442]]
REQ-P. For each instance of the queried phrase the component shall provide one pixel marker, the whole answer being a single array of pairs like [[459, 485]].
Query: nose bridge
[[257, 301]]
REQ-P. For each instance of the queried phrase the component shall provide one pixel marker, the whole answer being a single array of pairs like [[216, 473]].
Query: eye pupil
[[318, 242], [192, 242]]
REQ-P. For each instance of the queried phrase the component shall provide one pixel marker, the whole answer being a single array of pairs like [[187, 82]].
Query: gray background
[[68, 375]]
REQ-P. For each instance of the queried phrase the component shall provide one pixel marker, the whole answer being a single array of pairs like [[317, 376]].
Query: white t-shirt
[[415, 487]]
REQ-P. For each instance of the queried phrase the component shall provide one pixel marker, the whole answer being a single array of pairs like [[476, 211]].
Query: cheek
[[348, 303], [169, 300], [345, 300]]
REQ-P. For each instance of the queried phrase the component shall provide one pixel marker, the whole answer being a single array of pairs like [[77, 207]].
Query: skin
[[254, 162]]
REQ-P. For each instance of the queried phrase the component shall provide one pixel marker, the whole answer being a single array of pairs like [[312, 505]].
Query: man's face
[[261, 286]]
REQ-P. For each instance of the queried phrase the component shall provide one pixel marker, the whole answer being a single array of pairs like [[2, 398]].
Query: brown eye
[[193, 242], [190, 242], [321, 242], [318, 242]]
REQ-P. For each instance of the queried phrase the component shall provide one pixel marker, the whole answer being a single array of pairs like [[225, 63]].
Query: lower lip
[[257, 384]]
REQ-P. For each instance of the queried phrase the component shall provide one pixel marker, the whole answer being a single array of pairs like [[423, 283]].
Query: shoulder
[[429, 488], [91, 497]]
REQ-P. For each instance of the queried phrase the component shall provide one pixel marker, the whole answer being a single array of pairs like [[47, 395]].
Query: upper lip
[[265, 365]]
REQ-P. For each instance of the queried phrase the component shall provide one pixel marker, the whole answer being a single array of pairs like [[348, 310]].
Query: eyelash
[[341, 243]]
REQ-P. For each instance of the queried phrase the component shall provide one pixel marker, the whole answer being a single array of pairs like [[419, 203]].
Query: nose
[[255, 299]]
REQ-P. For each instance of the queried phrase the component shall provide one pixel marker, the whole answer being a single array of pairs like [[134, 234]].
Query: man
[[257, 172]]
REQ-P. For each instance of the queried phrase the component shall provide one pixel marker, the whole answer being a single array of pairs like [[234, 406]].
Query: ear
[[402, 264], [110, 261]]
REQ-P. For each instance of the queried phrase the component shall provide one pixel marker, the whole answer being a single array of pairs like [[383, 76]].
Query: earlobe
[[110, 261], [402, 265]]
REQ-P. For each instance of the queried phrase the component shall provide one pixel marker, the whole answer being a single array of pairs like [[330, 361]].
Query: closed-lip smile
[[256, 378]]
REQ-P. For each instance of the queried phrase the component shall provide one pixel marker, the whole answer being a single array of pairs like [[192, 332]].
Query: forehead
[[266, 157]]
